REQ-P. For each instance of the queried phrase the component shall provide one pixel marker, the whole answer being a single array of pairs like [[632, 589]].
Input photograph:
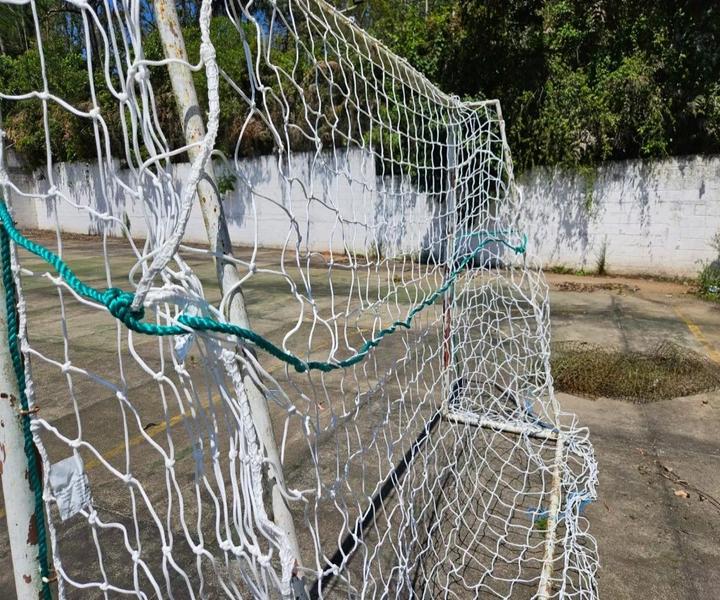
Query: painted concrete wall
[[651, 217], [11, 168], [320, 202]]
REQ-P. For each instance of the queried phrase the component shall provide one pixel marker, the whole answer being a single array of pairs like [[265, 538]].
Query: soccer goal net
[[278, 332]]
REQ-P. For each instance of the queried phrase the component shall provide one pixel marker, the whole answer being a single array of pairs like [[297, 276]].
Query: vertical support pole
[[545, 587], [17, 494], [219, 238], [451, 385]]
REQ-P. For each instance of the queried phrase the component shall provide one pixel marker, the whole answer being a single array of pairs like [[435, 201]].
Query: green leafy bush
[[580, 81], [709, 280], [709, 277]]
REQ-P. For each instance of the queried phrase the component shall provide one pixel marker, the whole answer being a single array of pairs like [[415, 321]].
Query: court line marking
[[153, 431], [710, 350], [119, 449]]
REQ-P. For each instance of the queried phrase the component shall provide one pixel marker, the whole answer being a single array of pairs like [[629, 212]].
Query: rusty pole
[[18, 496]]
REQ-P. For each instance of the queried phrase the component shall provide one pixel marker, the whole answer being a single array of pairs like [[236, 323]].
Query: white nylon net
[[435, 462]]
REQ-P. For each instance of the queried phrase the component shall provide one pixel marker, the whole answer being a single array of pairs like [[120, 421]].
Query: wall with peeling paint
[[647, 217], [319, 202], [654, 217]]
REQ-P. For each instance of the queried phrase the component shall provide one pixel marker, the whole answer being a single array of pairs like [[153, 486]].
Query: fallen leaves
[[685, 487], [670, 475]]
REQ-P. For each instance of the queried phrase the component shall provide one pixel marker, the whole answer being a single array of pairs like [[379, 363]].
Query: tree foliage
[[580, 81]]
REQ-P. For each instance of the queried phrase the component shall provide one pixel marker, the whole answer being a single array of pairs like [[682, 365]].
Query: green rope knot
[[119, 303]]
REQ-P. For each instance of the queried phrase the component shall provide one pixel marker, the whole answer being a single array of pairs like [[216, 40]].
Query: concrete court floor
[[652, 543]]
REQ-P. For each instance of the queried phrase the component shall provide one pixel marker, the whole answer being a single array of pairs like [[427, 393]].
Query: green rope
[[29, 446], [119, 304]]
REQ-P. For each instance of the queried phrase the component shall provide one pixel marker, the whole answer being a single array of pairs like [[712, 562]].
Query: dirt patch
[[649, 286], [668, 371], [581, 286]]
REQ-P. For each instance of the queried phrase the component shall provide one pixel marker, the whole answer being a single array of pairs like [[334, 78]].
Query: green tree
[[580, 81]]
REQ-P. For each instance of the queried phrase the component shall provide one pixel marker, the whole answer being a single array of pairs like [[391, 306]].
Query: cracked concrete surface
[[652, 543]]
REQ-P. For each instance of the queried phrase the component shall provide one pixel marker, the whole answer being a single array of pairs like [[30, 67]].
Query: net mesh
[[381, 421]]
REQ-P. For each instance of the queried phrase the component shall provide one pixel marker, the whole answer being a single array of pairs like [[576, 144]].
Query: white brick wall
[[344, 184], [654, 217]]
